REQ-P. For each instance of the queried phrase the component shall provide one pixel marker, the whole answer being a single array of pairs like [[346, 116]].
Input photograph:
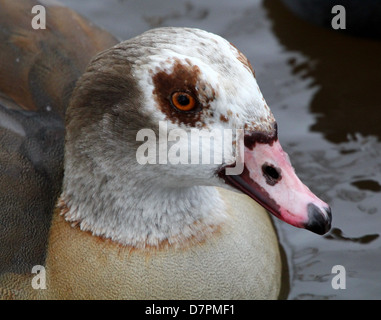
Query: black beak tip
[[318, 221]]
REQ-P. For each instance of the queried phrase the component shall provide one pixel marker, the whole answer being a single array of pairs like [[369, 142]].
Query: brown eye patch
[[177, 90]]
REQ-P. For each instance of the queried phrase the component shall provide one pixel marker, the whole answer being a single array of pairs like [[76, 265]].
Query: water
[[323, 88]]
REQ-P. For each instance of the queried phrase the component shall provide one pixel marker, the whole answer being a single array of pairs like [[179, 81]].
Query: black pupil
[[183, 100]]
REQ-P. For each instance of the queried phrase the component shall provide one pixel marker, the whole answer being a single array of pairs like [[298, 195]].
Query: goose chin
[[269, 179]]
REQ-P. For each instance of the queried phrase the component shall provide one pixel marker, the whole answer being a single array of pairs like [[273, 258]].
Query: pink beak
[[269, 179]]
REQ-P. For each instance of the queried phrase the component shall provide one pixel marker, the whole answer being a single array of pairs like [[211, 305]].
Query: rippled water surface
[[323, 88]]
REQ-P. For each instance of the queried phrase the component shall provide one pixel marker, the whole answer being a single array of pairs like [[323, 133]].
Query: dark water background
[[324, 90]]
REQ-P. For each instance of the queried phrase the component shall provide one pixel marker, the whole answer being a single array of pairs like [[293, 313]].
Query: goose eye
[[183, 101]]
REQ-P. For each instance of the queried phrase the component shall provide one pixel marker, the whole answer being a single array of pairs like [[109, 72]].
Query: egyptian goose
[[126, 226]]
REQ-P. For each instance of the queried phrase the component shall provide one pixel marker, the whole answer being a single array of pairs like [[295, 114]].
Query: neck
[[141, 213]]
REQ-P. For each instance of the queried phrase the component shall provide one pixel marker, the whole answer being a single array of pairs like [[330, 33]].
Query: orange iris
[[183, 101]]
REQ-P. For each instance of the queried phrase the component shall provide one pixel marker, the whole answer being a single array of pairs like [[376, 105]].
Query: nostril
[[271, 174]]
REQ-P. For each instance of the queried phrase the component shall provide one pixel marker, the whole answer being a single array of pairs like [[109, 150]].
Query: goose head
[[131, 148]]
